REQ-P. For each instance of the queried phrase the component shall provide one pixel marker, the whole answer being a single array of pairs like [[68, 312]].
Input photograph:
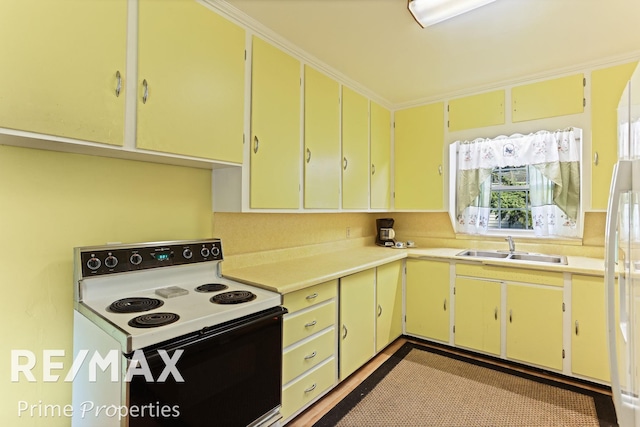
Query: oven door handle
[[194, 338]]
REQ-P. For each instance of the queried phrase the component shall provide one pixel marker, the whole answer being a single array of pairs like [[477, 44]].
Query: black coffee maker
[[385, 234]]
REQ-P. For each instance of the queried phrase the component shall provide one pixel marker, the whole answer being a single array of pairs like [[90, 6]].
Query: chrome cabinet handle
[[345, 331], [445, 305], [118, 83], [312, 296], [345, 163], [495, 314], [439, 169], [310, 324], [310, 356], [310, 389], [308, 155], [145, 91], [577, 328], [379, 310], [373, 169], [596, 158], [256, 144]]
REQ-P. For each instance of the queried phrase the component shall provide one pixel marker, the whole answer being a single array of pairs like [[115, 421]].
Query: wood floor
[[324, 405]]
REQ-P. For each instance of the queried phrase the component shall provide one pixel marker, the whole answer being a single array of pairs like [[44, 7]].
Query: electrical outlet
[[348, 232]]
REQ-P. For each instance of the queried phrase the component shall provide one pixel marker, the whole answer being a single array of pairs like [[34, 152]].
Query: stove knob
[[205, 252], [187, 253], [135, 259], [111, 261], [215, 251], [93, 263]]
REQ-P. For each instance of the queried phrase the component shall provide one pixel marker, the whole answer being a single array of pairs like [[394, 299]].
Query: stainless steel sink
[[548, 259], [551, 259], [483, 254]]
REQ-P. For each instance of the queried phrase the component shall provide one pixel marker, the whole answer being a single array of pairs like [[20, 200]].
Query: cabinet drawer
[[307, 323], [306, 297], [506, 274], [304, 357], [304, 390]]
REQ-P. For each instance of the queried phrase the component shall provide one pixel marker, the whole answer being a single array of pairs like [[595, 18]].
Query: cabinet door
[[380, 157], [549, 98], [607, 86], [355, 150], [191, 81], [389, 303], [321, 141], [60, 62], [419, 145], [589, 355], [357, 340], [477, 315], [534, 325], [275, 128], [427, 299]]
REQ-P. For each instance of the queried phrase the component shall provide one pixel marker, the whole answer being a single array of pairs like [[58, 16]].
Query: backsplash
[[244, 233]]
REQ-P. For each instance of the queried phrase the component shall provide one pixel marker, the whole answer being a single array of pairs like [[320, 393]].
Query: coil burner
[[153, 320], [233, 297], [134, 305]]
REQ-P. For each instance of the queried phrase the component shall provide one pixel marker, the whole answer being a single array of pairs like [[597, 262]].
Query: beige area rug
[[421, 386]]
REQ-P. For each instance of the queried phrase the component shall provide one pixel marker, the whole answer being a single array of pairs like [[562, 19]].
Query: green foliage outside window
[[510, 198]]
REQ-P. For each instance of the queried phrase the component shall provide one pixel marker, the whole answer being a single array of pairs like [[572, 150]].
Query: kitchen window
[[510, 198], [521, 182]]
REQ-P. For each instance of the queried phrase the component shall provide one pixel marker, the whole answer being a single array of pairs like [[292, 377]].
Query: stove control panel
[[122, 258]]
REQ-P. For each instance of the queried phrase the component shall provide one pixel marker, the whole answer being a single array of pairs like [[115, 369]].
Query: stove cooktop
[[145, 306]]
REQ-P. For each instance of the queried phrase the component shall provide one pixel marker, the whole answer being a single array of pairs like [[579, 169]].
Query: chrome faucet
[[512, 246]]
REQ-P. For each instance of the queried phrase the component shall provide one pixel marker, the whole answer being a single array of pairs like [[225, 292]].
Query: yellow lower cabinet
[[427, 299], [303, 324], [477, 315], [589, 346], [304, 356], [310, 296], [357, 321], [304, 390], [389, 303], [534, 325]]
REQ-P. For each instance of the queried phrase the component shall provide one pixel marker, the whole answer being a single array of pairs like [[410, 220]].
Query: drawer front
[[506, 274], [301, 392], [299, 359], [307, 297], [302, 325]]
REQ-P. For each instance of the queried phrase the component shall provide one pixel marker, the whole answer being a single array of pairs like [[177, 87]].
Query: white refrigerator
[[622, 261]]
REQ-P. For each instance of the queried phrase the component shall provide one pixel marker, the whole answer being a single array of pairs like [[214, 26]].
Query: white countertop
[[296, 273]]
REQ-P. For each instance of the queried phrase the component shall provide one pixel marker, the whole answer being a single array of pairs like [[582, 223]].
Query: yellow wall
[[255, 232], [51, 202]]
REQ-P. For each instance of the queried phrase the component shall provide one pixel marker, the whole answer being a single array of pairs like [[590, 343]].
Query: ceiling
[[378, 44]]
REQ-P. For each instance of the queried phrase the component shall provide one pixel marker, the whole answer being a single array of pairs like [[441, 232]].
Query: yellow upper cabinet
[[485, 109], [321, 141], [607, 86], [419, 145], [190, 81], [549, 98], [355, 150], [380, 157], [275, 128], [60, 68]]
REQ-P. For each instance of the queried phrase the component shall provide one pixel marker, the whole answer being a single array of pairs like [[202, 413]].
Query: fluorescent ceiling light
[[429, 12]]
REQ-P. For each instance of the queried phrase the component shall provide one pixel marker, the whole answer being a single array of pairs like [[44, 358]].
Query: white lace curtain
[[553, 160]]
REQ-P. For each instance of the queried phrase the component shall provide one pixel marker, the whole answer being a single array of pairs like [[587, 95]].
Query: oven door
[[232, 377]]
